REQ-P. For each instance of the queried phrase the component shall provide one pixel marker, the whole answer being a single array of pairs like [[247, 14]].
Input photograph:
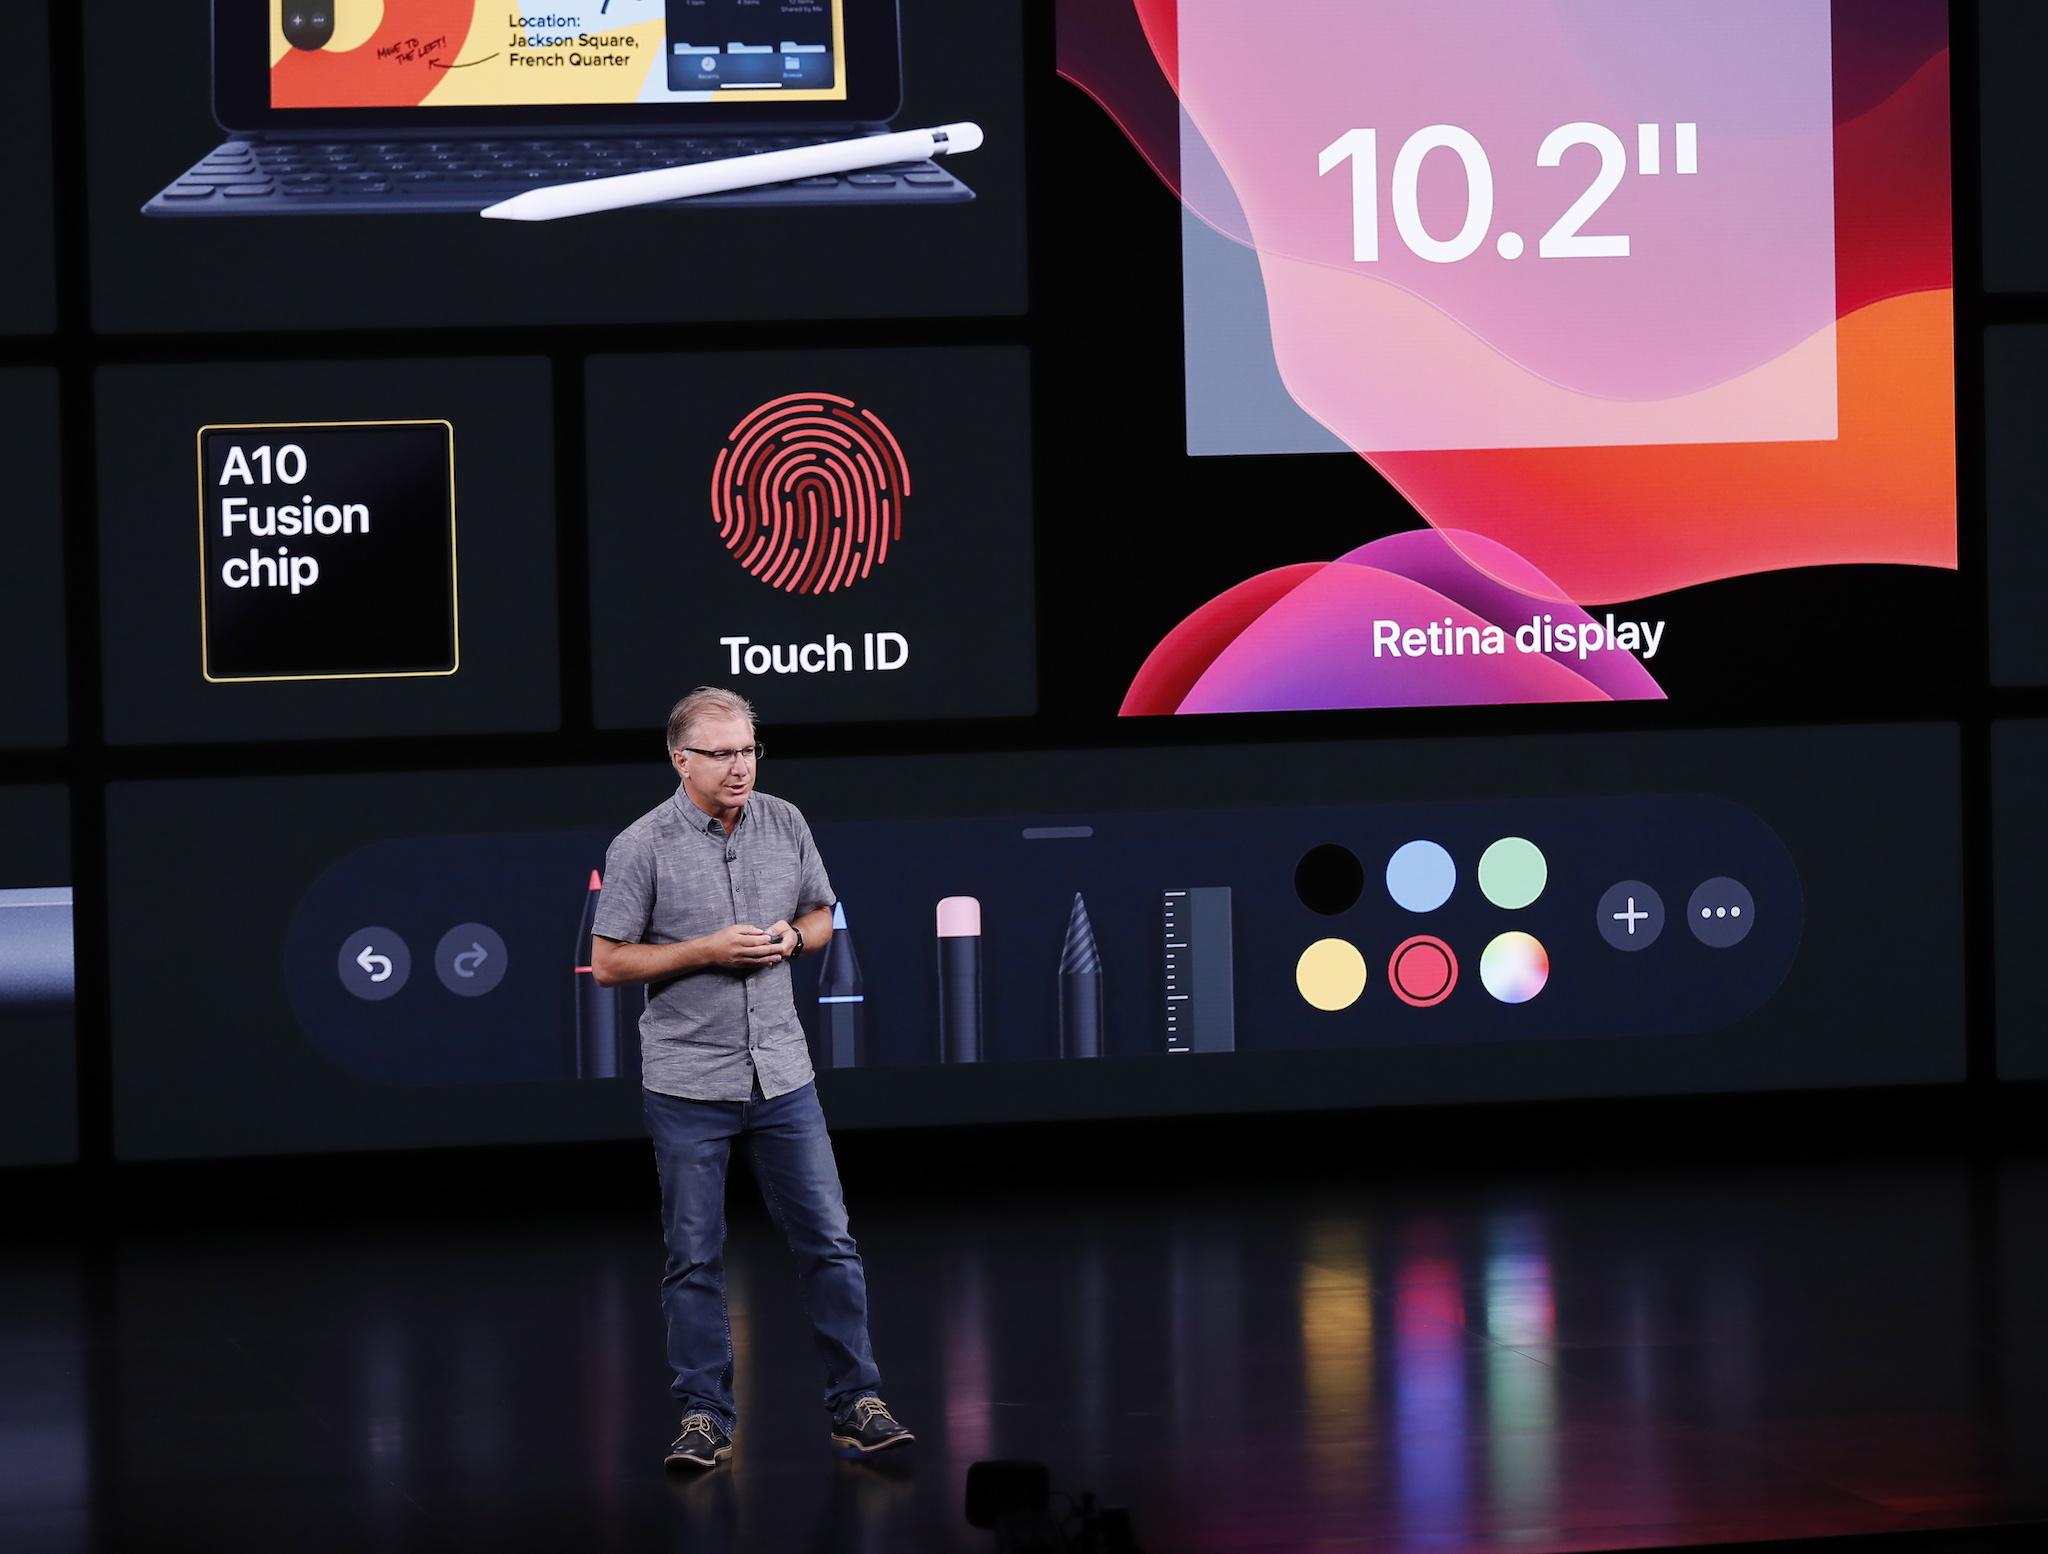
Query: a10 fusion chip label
[[327, 550]]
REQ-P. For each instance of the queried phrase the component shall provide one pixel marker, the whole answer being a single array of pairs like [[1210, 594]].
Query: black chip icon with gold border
[[327, 551]]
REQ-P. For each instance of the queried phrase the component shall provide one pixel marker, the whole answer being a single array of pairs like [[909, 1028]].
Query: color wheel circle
[[1514, 967]]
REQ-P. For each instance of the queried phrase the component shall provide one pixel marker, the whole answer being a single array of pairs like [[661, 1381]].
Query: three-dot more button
[[1630, 916], [1721, 913]]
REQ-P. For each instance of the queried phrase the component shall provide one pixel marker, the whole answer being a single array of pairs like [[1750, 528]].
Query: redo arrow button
[[470, 960]]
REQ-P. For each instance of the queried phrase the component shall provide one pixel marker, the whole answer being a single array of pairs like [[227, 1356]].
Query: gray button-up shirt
[[675, 874]]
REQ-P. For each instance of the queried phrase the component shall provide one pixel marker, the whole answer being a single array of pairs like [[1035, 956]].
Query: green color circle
[[1512, 873]]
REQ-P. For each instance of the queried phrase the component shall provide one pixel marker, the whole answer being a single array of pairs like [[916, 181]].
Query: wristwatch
[[793, 954]]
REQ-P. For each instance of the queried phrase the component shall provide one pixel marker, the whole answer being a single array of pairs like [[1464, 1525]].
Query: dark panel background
[[149, 537], [2019, 758], [2016, 500], [32, 689], [28, 259], [958, 584], [2014, 43]]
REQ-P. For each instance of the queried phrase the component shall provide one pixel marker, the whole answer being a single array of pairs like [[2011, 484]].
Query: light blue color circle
[[1421, 876]]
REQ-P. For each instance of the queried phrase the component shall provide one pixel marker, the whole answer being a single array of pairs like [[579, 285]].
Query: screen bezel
[[241, 89]]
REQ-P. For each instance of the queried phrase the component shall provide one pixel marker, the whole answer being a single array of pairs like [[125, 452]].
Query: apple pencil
[[739, 172], [959, 980]]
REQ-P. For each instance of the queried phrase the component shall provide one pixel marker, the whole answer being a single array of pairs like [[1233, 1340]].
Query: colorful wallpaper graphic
[[1748, 391], [1558, 226], [808, 492], [1500, 634]]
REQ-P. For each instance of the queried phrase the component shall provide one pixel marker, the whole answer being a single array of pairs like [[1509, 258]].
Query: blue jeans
[[791, 1156]]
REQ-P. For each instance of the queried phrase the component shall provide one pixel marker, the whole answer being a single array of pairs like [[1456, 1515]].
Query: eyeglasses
[[750, 754]]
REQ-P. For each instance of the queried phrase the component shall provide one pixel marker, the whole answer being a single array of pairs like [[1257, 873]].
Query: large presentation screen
[[1185, 551], [1640, 318]]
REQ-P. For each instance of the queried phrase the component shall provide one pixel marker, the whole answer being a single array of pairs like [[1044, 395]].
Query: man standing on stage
[[722, 1057]]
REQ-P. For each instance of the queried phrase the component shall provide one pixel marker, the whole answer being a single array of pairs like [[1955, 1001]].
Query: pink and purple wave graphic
[[1766, 383]]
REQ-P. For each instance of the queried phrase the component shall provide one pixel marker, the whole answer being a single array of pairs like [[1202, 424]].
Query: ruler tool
[[1200, 987]]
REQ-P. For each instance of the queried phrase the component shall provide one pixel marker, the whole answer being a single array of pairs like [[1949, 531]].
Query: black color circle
[[1329, 879]]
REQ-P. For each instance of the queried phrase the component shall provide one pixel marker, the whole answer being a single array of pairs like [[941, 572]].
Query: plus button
[[1630, 915]]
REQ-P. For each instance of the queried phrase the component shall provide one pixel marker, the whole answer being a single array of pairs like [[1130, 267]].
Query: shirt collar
[[695, 817]]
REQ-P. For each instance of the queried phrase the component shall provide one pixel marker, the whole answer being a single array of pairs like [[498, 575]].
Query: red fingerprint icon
[[808, 493]]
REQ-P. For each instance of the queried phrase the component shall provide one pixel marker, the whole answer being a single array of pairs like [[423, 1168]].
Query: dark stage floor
[[1512, 1362]]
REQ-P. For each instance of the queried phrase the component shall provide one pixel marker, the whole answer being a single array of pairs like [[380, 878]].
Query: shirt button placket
[[736, 879]]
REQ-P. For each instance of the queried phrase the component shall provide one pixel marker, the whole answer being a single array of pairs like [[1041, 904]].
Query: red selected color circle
[[1422, 971]]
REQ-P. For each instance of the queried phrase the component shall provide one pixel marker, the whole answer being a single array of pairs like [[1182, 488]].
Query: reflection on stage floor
[[1478, 1363]]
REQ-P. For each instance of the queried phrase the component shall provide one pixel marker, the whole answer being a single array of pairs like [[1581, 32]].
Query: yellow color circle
[[355, 23], [1330, 974]]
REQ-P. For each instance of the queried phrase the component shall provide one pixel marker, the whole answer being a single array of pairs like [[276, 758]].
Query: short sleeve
[[813, 887], [626, 906]]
